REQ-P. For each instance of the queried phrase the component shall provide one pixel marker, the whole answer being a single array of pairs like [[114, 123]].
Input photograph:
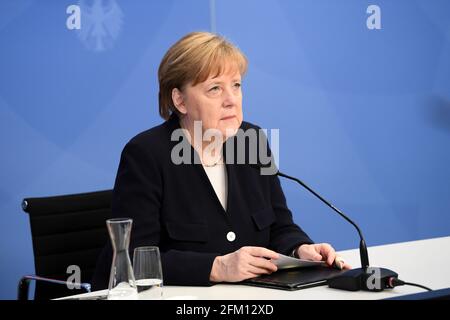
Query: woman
[[213, 219]]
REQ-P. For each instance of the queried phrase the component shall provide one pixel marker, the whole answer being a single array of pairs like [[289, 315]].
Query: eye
[[237, 85], [214, 89]]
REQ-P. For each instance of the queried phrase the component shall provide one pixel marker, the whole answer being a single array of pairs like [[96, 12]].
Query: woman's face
[[216, 102]]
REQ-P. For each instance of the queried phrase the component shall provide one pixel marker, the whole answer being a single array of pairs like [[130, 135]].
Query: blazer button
[[231, 236]]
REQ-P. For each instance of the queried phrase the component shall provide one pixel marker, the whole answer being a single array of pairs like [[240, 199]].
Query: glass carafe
[[122, 285]]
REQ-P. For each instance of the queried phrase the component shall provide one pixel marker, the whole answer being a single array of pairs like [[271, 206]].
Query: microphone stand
[[364, 278]]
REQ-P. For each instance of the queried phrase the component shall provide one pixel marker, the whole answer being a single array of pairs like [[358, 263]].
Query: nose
[[230, 98]]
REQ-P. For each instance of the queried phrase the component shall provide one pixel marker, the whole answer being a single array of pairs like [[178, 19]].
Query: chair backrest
[[67, 230]]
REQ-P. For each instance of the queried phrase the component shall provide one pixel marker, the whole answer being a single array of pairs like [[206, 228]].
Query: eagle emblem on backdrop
[[101, 23]]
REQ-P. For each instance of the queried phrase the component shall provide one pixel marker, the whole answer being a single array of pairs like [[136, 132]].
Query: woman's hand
[[245, 263], [322, 252]]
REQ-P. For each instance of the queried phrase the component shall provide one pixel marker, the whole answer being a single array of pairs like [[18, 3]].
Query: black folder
[[295, 279]]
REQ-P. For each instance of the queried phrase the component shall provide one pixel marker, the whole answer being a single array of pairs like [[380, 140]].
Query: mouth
[[228, 118]]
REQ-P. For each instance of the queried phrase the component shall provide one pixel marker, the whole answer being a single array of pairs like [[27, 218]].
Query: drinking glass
[[148, 272]]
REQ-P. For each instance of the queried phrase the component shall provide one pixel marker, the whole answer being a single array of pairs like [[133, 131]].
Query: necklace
[[213, 164]]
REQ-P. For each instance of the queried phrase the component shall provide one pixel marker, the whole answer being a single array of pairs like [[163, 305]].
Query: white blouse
[[218, 177]]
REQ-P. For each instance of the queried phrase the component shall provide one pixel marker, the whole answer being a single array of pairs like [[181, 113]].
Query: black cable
[[417, 285], [395, 282]]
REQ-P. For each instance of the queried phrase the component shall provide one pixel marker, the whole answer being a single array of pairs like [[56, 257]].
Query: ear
[[178, 101]]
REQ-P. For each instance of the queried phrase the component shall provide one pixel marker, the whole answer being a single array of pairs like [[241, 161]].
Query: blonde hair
[[192, 59]]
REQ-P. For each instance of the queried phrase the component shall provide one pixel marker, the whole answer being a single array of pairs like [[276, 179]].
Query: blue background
[[364, 115]]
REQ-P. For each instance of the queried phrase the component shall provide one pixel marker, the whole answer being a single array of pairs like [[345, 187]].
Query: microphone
[[364, 278]]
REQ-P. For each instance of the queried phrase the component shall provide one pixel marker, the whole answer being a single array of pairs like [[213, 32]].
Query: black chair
[[66, 230]]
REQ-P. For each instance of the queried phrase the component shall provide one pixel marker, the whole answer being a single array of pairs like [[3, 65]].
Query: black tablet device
[[295, 279]]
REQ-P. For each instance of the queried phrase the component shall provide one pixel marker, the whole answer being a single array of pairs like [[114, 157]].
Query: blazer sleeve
[[138, 194]]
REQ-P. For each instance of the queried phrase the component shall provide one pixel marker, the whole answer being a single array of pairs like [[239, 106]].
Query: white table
[[424, 262]]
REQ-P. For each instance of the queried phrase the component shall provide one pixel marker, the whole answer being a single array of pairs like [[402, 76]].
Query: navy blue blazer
[[176, 208]]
